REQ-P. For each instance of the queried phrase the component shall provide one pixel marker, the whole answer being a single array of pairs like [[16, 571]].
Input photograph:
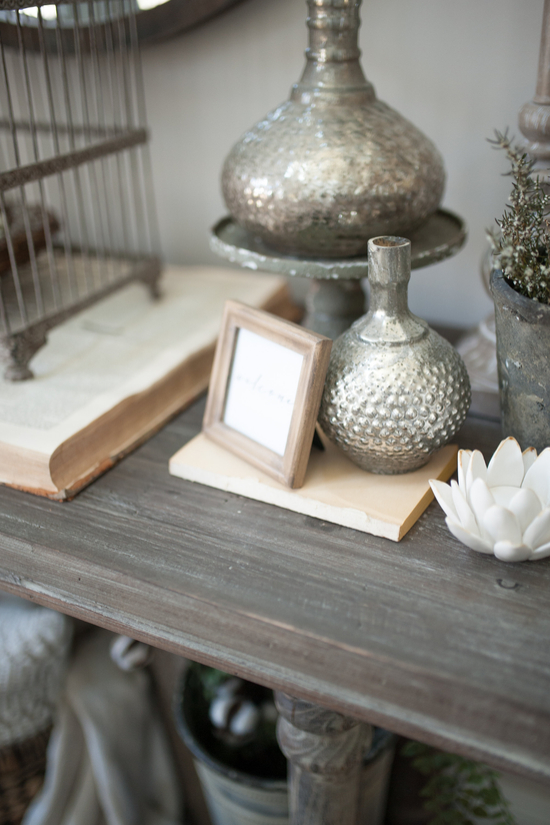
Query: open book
[[111, 376]]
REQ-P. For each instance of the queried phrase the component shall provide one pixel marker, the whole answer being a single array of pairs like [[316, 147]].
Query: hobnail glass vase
[[395, 390]]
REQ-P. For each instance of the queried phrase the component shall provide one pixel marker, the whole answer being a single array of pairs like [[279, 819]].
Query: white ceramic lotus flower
[[503, 508]]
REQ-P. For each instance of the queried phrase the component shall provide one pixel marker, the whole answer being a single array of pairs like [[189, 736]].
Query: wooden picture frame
[[265, 390]]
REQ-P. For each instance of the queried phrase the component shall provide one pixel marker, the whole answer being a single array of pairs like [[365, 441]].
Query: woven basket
[[22, 767], [34, 647]]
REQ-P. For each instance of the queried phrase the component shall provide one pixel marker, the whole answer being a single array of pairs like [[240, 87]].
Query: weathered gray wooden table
[[423, 637]]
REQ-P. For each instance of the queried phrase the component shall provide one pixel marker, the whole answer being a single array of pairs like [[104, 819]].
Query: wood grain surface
[[426, 638]]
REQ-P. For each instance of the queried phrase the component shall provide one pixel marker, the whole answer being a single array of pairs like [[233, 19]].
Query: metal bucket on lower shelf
[[235, 800], [238, 798]]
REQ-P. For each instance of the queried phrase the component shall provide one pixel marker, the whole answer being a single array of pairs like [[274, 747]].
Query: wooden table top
[[424, 637]]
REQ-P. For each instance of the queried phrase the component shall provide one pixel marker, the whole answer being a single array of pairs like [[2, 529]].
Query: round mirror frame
[[165, 20], [177, 16]]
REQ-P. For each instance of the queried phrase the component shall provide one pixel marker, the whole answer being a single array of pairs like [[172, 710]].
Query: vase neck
[[333, 54], [389, 319], [333, 30]]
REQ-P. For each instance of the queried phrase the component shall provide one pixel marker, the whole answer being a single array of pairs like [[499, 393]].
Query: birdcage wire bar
[[76, 205]]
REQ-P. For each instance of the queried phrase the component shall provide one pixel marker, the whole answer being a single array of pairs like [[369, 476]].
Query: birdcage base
[[18, 372], [16, 352], [81, 281]]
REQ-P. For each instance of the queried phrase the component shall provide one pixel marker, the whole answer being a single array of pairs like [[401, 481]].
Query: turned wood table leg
[[325, 751]]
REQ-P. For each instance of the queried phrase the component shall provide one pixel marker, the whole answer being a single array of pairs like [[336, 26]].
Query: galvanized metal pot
[[395, 390], [523, 358], [332, 166], [234, 796]]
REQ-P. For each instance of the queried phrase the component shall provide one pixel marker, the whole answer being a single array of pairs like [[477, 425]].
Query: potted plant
[[520, 284]]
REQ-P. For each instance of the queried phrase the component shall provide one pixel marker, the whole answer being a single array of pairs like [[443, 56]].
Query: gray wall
[[456, 69]]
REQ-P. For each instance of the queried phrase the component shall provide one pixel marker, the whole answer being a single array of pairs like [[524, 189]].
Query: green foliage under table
[[458, 791]]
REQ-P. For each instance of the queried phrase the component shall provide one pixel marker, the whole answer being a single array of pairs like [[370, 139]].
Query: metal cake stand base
[[335, 297]]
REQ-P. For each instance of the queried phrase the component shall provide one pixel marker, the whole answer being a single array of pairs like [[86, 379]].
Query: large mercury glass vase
[[333, 166], [395, 390]]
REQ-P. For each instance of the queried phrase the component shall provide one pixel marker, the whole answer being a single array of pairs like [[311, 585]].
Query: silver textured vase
[[333, 166], [395, 390]]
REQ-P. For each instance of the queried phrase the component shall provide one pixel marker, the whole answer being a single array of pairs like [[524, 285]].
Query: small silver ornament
[[395, 390]]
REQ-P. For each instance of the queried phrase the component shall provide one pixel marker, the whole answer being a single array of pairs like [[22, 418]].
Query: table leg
[[325, 751]]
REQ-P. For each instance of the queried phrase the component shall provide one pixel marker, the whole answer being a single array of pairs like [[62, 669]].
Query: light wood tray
[[334, 490]]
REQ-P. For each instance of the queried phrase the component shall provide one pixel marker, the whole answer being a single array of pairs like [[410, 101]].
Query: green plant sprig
[[522, 246], [458, 791]]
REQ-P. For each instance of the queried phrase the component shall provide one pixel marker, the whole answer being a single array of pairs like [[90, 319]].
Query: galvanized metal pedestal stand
[[335, 297]]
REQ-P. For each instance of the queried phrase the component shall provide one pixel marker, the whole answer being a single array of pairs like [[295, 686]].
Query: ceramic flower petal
[[504, 495], [506, 551], [506, 467], [444, 496], [476, 469], [462, 463], [537, 477], [540, 553], [538, 532], [471, 541], [529, 457], [502, 525], [481, 499], [526, 506], [464, 512]]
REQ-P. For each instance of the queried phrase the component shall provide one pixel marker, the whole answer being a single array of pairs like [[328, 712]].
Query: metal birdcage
[[77, 218]]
